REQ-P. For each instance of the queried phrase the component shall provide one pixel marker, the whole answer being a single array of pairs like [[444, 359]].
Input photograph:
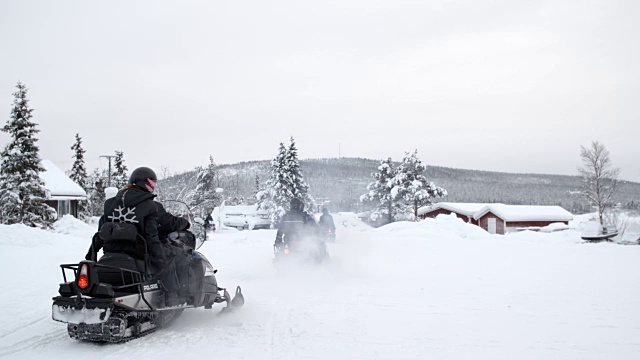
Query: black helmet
[[296, 204], [144, 178]]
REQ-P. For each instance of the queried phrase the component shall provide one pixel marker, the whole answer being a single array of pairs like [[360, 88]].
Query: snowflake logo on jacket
[[119, 215]]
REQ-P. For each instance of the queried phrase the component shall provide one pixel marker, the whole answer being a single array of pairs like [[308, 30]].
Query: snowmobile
[[304, 250], [115, 300], [329, 235]]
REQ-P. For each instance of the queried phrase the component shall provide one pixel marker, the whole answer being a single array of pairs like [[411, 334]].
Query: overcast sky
[[513, 86]]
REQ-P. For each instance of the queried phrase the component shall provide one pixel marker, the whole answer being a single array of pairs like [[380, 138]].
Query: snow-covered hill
[[438, 289], [343, 180]]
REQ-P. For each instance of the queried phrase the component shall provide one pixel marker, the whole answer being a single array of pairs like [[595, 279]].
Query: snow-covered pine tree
[[205, 198], [274, 197], [387, 202], [411, 185], [119, 177], [256, 191], [79, 176], [97, 182], [257, 185], [299, 188], [22, 192], [285, 182]]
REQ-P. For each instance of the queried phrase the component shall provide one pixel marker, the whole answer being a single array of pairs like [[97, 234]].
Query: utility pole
[[108, 157]]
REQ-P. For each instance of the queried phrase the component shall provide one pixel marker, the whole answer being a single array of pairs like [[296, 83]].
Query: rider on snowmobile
[[133, 204], [168, 223], [178, 259], [296, 224], [326, 223]]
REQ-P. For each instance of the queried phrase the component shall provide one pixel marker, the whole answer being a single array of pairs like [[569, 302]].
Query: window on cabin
[[64, 207]]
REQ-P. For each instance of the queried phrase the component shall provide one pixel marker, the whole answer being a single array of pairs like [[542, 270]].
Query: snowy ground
[[438, 289]]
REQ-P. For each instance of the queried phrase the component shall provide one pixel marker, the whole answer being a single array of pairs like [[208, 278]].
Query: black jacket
[[134, 206], [168, 223], [295, 225], [326, 222]]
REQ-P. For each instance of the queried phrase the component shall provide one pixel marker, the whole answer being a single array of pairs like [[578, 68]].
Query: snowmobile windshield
[[179, 208]]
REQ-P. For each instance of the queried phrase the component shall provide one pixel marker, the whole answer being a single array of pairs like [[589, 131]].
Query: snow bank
[[554, 227], [349, 221], [66, 232], [24, 236], [450, 228], [444, 225], [69, 225]]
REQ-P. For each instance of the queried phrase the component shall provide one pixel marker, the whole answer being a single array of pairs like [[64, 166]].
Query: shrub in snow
[[22, 192]]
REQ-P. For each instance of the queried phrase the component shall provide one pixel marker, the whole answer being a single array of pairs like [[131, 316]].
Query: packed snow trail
[[439, 288]]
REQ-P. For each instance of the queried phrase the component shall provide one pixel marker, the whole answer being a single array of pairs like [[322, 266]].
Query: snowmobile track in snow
[[34, 341], [11, 332]]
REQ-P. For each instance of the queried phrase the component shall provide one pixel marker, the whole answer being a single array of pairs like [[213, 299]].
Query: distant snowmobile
[[329, 235], [113, 300], [306, 250]]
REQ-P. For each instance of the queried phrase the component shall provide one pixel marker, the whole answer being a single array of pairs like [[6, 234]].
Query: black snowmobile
[[309, 249], [114, 300]]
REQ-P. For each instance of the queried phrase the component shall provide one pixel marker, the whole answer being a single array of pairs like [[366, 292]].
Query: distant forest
[[342, 181]]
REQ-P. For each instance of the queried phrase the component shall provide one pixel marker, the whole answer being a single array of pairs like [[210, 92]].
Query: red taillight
[[286, 251], [83, 278]]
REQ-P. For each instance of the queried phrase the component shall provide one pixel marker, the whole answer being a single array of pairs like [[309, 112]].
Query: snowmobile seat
[[111, 272], [124, 257]]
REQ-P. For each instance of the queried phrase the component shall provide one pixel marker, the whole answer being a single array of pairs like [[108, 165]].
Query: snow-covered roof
[[60, 186], [467, 209], [241, 209], [525, 212]]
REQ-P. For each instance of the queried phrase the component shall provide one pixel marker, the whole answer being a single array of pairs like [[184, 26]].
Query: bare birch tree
[[599, 177]]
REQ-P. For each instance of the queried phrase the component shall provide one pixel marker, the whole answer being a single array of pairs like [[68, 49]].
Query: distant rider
[[326, 223], [295, 224], [326, 220], [208, 223]]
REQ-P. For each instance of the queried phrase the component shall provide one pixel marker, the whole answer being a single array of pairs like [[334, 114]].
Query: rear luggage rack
[[137, 280], [136, 276]]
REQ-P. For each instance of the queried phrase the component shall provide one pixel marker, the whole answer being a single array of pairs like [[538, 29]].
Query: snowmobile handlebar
[[193, 220]]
